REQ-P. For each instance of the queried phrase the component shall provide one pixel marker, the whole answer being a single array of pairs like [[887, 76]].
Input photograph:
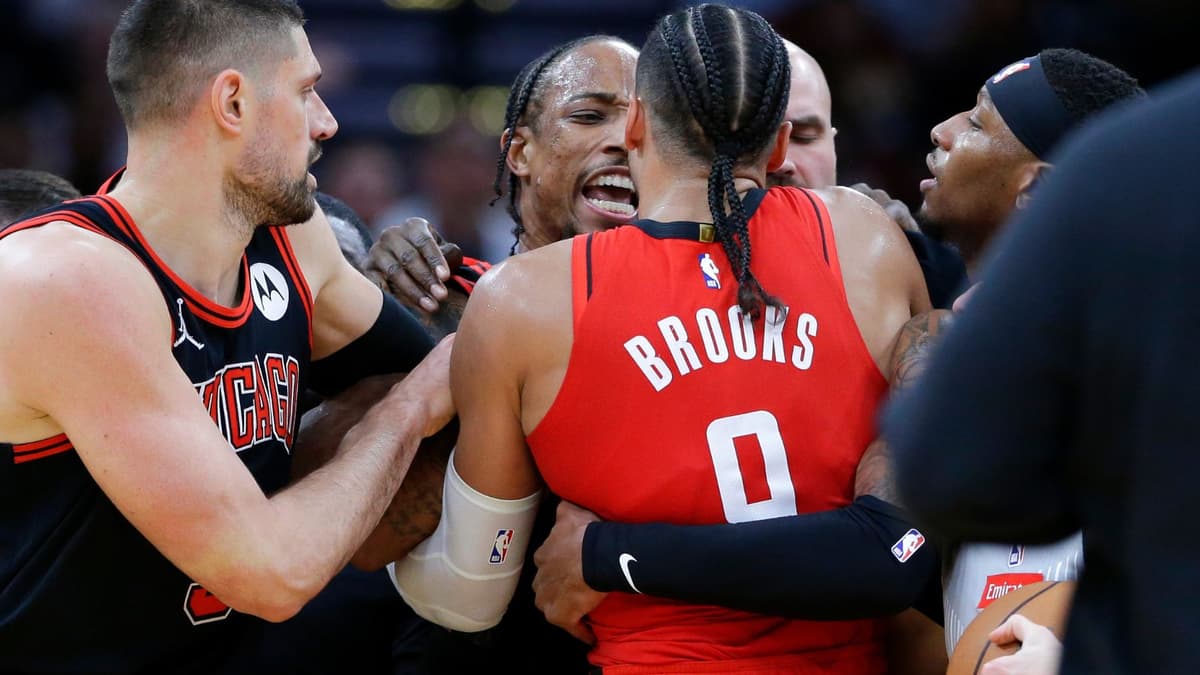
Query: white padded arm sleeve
[[463, 576]]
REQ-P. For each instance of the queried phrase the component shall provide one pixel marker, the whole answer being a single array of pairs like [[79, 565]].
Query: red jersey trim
[[829, 242], [476, 265], [581, 276], [107, 186], [57, 216], [84, 224], [293, 265], [28, 452], [473, 266], [822, 219], [567, 395], [201, 306]]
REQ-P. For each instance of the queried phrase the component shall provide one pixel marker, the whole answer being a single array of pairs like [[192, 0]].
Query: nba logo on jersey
[[708, 269], [908, 545], [1016, 556], [500, 547]]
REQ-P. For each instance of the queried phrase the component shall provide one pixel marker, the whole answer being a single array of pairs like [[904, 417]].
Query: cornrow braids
[[718, 79], [524, 91]]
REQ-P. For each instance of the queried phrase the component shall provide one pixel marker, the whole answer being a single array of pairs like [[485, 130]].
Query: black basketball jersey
[[80, 588]]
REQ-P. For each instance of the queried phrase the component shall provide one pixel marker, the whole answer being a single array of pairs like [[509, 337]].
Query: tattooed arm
[[914, 345], [415, 509]]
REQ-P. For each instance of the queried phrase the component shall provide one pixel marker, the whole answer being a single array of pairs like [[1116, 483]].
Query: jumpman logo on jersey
[[183, 334]]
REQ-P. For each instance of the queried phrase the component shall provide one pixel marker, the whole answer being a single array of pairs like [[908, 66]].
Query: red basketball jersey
[[676, 408]]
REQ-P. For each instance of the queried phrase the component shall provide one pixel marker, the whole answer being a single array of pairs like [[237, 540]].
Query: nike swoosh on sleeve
[[624, 561]]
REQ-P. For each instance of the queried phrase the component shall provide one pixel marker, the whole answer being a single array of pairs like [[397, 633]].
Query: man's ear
[[1028, 179], [635, 125], [780, 147], [520, 152], [227, 101]]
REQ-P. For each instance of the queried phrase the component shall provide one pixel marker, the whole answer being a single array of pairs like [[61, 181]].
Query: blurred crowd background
[[419, 86]]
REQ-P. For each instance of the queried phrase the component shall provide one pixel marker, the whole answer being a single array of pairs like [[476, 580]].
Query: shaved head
[[812, 158]]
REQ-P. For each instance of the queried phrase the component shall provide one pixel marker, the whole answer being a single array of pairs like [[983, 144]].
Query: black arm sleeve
[[395, 343], [820, 566]]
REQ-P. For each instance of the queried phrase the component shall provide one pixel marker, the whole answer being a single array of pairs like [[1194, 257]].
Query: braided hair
[[716, 79], [524, 107]]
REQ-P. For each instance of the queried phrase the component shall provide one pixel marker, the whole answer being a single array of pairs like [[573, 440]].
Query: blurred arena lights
[[485, 108], [424, 109], [422, 5], [495, 6]]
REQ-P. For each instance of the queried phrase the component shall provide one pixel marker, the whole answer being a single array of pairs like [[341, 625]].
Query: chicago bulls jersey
[[678, 408], [80, 588]]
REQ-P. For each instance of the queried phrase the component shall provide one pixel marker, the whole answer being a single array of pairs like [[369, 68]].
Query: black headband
[[1024, 98]]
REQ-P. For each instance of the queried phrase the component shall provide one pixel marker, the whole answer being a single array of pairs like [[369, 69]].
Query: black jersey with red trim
[[469, 273], [81, 590]]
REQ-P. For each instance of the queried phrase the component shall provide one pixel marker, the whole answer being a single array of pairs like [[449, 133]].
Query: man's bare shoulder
[[861, 222], [63, 263], [528, 286], [70, 294], [870, 243]]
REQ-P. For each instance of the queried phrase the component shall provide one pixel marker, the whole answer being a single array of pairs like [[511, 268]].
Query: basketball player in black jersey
[[155, 342]]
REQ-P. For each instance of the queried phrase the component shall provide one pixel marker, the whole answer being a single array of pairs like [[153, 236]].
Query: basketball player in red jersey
[[626, 363], [137, 528]]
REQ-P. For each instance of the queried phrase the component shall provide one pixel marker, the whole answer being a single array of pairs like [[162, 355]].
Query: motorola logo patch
[[269, 288]]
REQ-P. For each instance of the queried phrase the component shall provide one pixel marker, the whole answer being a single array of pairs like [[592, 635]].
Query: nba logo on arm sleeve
[[908, 545], [500, 547]]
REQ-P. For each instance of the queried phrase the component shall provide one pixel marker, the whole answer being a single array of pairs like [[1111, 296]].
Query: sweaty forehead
[[605, 68]]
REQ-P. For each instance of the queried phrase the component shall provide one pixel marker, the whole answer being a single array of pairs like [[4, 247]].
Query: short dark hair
[[525, 108], [1086, 84], [353, 235], [24, 192], [162, 52], [715, 81]]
